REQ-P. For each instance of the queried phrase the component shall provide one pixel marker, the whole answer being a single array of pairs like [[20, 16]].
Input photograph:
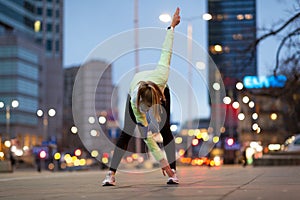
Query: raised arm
[[161, 73]]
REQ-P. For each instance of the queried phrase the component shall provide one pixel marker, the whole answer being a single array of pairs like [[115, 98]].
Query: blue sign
[[252, 82], [114, 132]]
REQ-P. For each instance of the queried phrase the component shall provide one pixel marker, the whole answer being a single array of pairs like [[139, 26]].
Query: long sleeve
[[154, 148], [159, 75]]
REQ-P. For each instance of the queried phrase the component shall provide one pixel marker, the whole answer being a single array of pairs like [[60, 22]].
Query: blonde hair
[[150, 94]]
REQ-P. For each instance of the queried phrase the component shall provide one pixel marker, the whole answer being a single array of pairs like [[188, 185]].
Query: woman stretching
[[148, 106]]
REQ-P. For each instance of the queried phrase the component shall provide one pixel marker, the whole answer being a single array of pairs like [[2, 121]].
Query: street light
[[51, 113], [13, 104]]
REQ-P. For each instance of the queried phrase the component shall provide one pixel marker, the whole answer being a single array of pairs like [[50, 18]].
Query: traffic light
[[43, 154], [77, 152], [230, 141], [195, 142]]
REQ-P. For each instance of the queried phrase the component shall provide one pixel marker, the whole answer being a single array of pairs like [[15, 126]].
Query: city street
[[225, 182]]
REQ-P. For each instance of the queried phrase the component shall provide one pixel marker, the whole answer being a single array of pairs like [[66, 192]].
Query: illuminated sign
[[251, 82]]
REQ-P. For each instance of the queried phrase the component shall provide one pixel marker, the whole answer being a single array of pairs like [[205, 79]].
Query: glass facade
[[10, 14], [231, 30], [19, 80], [50, 12]]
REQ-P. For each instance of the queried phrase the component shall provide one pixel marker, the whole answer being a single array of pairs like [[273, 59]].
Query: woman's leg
[[126, 135], [168, 139]]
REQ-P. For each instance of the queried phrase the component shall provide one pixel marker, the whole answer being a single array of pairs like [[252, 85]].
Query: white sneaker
[[173, 179], [109, 179]]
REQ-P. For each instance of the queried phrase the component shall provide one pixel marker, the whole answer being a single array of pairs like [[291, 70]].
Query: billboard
[[252, 82]]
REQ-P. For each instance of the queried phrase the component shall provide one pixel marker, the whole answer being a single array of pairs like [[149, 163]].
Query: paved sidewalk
[[225, 182]]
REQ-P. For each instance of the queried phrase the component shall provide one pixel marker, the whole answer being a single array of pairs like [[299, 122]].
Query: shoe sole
[[108, 184], [171, 182]]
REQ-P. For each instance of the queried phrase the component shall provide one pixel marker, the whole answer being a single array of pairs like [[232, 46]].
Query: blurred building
[[90, 87], [264, 122], [70, 138], [265, 115], [31, 69], [230, 31]]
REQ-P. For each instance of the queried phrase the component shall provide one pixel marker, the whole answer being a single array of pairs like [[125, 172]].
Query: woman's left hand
[[165, 167]]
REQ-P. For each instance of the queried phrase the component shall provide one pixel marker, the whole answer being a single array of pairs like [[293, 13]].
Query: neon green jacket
[[160, 77]]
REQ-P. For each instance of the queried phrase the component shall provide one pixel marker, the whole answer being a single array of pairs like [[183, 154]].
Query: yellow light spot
[[191, 132], [76, 162], [197, 131], [104, 160], [218, 48], [135, 156], [181, 152], [205, 136], [67, 156], [82, 162], [216, 139], [57, 156], [199, 135], [37, 26], [94, 153], [273, 116], [74, 158], [178, 140]]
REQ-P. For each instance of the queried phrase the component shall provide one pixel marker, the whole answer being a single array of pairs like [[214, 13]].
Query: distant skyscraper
[[92, 99], [230, 31], [31, 67]]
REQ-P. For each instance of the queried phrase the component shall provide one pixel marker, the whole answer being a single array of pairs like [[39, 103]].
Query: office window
[[57, 14], [39, 11], [49, 12], [57, 46], [57, 28], [49, 27], [49, 45]]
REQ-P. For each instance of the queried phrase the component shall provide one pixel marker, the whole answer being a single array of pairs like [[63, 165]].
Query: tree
[[287, 63]]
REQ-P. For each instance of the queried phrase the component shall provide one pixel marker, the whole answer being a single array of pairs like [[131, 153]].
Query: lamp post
[[13, 104], [51, 113]]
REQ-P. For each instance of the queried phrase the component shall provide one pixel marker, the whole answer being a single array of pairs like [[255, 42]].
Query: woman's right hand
[[176, 18]]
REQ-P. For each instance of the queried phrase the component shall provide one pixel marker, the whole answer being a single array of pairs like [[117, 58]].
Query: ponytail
[[151, 95]]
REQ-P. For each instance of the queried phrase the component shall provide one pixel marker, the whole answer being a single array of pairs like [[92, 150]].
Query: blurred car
[[292, 143]]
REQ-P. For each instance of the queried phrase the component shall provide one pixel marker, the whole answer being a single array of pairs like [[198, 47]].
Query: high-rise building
[[231, 31], [31, 69], [49, 33]]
